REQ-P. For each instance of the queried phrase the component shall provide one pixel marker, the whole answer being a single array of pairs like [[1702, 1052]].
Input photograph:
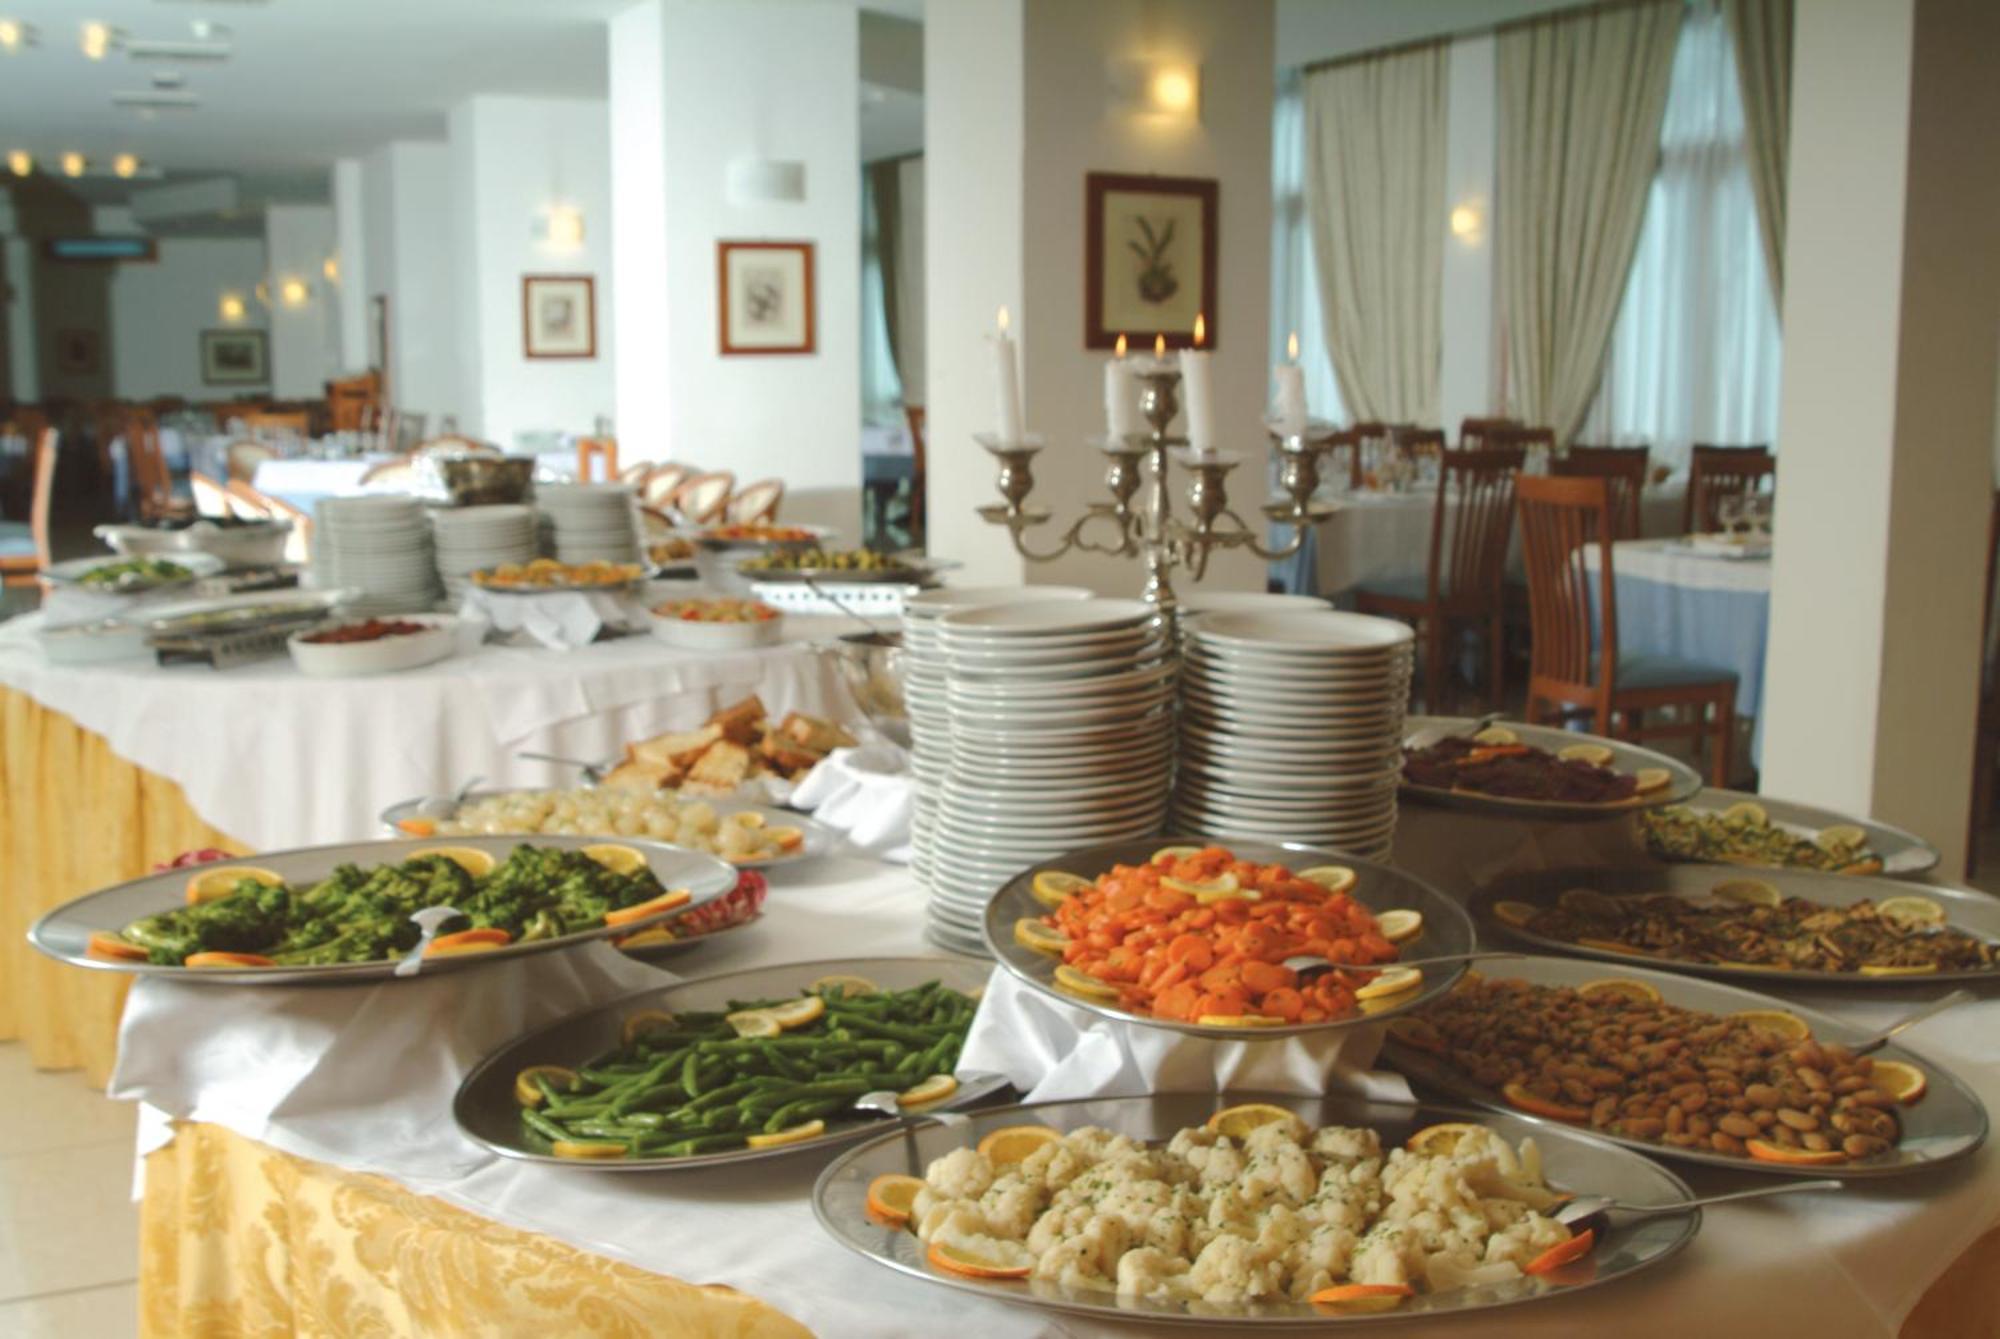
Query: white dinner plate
[[1304, 632]]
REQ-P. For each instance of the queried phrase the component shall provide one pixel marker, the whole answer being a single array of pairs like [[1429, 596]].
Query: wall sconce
[[97, 39], [231, 306], [72, 164], [560, 227], [754, 181], [1468, 222], [1169, 90], [294, 292], [126, 165], [20, 162], [330, 267], [14, 34]]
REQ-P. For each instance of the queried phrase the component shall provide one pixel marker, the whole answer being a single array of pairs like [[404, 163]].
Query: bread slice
[[720, 770], [635, 775], [740, 723], [785, 758], [815, 735], [677, 751]]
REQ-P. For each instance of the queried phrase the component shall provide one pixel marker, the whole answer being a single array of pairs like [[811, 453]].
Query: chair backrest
[[1472, 522], [1350, 442], [246, 502], [919, 422], [1420, 441], [757, 503], [1624, 467], [390, 474], [42, 500], [1717, 472], [1475, 431], [349, 400], [636, 474], [210, 498], [452, 445], [589, 449], [703, 499], [1561, 518], [244, 457], [663, 483], [278, 421], [153, 481]]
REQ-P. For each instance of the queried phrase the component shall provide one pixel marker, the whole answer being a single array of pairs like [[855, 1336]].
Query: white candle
[[1008, 367], [1195, 392], [1121, 396], [1291, 379]]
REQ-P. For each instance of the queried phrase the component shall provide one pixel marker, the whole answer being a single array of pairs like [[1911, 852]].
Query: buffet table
[[324, 1187], [110, 769]]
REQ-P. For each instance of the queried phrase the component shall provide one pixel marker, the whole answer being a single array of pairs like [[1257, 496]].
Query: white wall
[[638, 116], [158, 312], [407, 242], [511, 160], [305, 341], [350, 248]]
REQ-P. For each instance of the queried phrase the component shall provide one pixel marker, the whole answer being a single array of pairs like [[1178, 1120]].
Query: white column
[[639, 232], [1886, 417], [350, 254], [1466, 370], [304, 352]]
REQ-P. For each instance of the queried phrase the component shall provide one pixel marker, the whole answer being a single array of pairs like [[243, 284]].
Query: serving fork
[[1586, 1212]]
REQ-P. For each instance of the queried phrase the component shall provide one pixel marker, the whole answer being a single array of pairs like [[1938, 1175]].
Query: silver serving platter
[[257, 611], [820, 534], [625, 587], [1447, 929], [487, 1113], [72, 572], [1683, 781], [903, 573], [65, 933], [820, 839], [1902, 852], [1946, 1124], [1574, 1161], [1975, 913]]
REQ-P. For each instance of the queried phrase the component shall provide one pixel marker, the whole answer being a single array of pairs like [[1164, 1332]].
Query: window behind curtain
[[1695, 354], [1294, 281], [881, 391]]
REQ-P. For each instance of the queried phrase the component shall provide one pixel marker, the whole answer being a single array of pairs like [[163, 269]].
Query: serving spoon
[[429, 921], [1587, 1212], [444, 806], [1311, 964], [1909, 1020]]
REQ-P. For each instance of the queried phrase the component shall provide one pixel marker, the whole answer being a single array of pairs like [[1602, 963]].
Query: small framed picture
[[766, 296], [234, 358], [558, 316], [1149, 259], [79, 352]]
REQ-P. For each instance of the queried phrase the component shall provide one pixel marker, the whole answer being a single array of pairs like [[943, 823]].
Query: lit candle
[[1121, 399], [1291, 406], [1160, 352], [1195, 388], [1008, 368]]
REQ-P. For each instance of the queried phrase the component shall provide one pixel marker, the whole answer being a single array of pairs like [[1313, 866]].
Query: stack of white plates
[[1291, 728], [472, 538], [591, 522], [380, 545], [1062, 736]]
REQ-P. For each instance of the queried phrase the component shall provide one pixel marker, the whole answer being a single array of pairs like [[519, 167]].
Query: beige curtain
[[896, 186], [1581, 99], [1762, 33], [885, 186], [1375, 160]]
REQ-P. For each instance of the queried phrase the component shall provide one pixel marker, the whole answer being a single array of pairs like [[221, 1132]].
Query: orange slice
[[1496, 734], [933, 1089], [1787, 1025], [468, 941], [1240, 1120], [528, 1094], [1902, 1081], [1358, 1299], [1400, 925], [1595, 754], [104, 944], [1391, 981], [471, 859], [417, 827], [1910, 910], [1651, 779], [213, 881], [1519, 1096], [796, 1134], [646, 1020], [646, 938], [892, 1196], [1619, 988], [618, 859], [1765, 1151], [666, 901], [1013, 1143], [1015, 1264], [1440, 1140], [227, 960], [1560, 1254]]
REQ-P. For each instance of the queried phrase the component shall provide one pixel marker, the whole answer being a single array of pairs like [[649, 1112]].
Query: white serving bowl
[[339, 660], [716, 636]]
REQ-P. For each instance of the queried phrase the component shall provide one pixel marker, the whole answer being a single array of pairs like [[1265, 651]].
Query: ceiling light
[[20, 162], [126, 165], [96, 40], [560, 227], [294, 292], [1466, 220], [13, 35], [232, 306], [330, 267], [72, 164]]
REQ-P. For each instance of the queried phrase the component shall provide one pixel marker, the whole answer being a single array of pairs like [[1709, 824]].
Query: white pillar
[[350, 254], [639, 233], [304, 348], [1886, 418], [1466, 365]]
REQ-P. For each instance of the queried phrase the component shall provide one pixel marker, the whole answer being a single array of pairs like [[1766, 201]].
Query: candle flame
[[1159, 346], [1003, 318], [1200, 329], [1121, 346], [1292, 347]]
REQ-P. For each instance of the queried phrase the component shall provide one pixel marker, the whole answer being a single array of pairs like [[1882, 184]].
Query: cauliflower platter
[[740, 836]]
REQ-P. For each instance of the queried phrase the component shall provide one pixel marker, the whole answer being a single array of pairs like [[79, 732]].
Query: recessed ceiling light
[[126, 165], [14, 35], [96, 39]]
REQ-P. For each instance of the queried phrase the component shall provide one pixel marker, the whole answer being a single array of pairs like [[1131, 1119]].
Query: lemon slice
[[618, 859], [1651, 779], [997, 1258], [1908, 909], [1892, 969], [1841, 836], [1363, 1299], [753, 1023], [1391, 981], [1586, 902], [1241, 1119], [586, 1148], [213, 881], [1619, 988], [1514, 913], [746, 818], [1904, 1082], [1174, 853], [1238, 1020], [1333, 878], [1750, 892], [1441, 1140], [1082, 983], [1014, 1143], [1051, 886], [1496, 734], [1210, 896], [1787, 1025], [1224, 885], [1400, 924], [797, 1013], [933, 1089], [646, 1020], [529, 1095], [471, 859], [1031, 933], [892, 1196], [796, 1134], [1747, 811], [1594, 754], [646, 938], [846, 983]]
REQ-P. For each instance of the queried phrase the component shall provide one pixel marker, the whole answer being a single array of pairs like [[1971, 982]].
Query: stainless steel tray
[[260, 611], [1975, 913], [487, 1113], [1947, 1124], [820, 839], [65, 932], [1447, 929], [1902, 852], [905, 574], [1683, 781], [1575, 1161]]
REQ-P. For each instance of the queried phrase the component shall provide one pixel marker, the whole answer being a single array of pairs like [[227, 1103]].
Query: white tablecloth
[[276, 759], [1830, 1266], [303, 481]]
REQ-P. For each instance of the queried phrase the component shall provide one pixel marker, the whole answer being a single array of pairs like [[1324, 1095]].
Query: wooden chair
[[1986, 739], [245, 502], [152, 482], [1470, 526], [1475, 431], [1717, 472], [1419, 441], [596, 448], [278, 422], [704, 499], [1538, 443], [24, 547], [210, 498], [1574, 665], [756, 504], [636, 474], [349, 400], [665, 481], [1623, 467], [245, 456], [919, 422], [389, 475]]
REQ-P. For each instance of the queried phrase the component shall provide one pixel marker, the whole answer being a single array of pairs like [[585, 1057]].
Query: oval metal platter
[[1447, 929], [488, 1114], [1901, 852], [72, 571], [1947, 1124], [1683, 781], [65, 932], [1975, 913], [819, 839], [1571, 1160]]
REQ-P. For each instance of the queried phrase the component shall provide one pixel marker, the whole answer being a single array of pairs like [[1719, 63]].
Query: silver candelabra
[[1153, 532]]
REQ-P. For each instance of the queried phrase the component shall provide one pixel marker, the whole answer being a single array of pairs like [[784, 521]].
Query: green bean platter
[[745, 1065]]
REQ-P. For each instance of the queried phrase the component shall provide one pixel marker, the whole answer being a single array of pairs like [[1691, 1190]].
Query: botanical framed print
[[234, 358], [558, 316], [79, 352], [1149, 259], [765, 296]]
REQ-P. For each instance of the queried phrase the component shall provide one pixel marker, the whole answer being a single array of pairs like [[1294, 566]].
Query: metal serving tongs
[[1935, 1007], [883, 1103], [1588, 1212], [1309, 965]]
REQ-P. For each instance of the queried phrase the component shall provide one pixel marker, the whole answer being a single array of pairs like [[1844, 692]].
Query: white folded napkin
[[1055, 1052], [560, 620], [865, 793]]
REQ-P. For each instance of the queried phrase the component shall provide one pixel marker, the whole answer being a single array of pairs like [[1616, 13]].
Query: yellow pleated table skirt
[[74, 816]]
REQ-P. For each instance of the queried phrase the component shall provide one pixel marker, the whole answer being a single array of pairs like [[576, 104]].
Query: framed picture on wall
[[1149, 259], [79, 352], [765, 296], [558, 316], [234, 358]]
